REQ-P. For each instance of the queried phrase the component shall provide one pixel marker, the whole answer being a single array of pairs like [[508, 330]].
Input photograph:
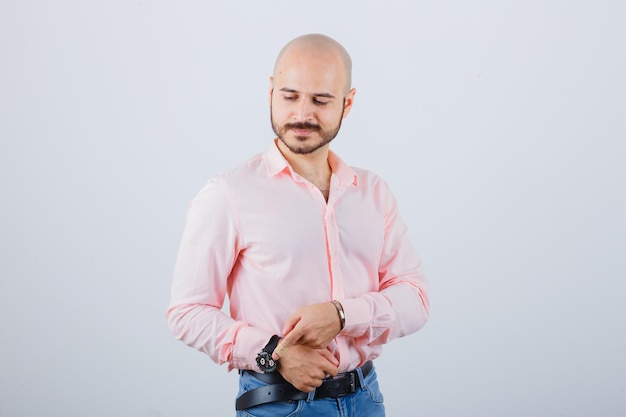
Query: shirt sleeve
[[400, 306], [209, 248]]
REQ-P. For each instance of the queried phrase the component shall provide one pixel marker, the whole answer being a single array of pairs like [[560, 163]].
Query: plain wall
[[499, 125]]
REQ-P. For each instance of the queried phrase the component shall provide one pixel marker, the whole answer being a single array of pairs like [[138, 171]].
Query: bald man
[[312, 254]]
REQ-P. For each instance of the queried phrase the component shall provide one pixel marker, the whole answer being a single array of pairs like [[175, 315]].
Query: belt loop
[[311, 395], [359, 372]]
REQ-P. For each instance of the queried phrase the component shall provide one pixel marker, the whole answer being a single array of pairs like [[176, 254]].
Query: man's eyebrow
[[325, 95], [291, 90]]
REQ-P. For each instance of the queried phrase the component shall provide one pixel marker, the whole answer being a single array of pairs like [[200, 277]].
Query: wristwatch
[[264, 358]]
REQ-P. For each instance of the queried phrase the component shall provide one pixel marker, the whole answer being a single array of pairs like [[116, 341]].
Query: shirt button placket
[[332, 242]]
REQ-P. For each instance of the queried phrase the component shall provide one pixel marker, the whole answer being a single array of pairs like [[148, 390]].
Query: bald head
[[320, 48]]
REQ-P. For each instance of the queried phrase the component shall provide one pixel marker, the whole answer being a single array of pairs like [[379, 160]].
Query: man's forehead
[[315, 60]]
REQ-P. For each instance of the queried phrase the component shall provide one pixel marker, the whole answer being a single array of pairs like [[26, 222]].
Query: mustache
[[302, 125]]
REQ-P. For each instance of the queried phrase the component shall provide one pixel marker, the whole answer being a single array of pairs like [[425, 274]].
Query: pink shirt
[[265, 237]]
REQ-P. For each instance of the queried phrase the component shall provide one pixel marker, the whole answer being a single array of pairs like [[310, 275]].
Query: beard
[[305, 144]]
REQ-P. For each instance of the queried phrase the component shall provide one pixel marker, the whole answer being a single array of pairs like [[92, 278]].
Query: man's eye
[[319, 102], [290, 98]]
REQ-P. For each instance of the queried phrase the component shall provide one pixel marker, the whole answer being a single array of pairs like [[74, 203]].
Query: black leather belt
[[280, 390]]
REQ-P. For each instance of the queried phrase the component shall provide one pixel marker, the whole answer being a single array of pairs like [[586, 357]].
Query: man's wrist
[[340, 312], [264, 359]]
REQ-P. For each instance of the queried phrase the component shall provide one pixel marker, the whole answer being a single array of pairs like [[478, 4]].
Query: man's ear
[[348, 102], [271, 89]]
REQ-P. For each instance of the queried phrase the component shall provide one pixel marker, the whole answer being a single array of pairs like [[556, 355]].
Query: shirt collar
[[276, 163], [343, 171]]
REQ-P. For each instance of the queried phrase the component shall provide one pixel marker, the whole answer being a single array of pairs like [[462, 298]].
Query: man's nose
[[303, 111]]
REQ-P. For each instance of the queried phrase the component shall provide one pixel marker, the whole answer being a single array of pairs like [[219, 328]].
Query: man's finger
[[329, 356], [278, 352], [291, 338], [290, 324], [330, 369]]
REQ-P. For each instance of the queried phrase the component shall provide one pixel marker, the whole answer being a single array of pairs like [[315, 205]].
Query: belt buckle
[[352, 380]]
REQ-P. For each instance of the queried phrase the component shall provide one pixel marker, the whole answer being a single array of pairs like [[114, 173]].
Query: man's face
[[308, 102]]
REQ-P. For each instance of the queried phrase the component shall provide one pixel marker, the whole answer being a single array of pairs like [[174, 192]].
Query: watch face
[[265, 362]]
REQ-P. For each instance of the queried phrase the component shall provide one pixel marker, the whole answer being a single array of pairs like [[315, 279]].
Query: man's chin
[[303, 145], [301, 149], [299, 144]]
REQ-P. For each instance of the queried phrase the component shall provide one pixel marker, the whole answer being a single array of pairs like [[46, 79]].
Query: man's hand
[[305, 368], [313, 326]]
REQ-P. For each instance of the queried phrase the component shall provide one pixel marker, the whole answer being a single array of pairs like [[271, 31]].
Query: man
[[312, 254]]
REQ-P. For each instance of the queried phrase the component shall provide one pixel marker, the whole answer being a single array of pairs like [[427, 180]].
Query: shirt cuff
[[249, 342], [357, 314]]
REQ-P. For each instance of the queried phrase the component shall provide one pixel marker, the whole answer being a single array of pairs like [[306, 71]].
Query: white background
[[499, 125]]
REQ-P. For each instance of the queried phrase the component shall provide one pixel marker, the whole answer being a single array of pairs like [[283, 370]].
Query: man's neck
[[313, 166]]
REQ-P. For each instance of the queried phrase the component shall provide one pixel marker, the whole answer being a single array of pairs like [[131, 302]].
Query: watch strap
[[271, 345]]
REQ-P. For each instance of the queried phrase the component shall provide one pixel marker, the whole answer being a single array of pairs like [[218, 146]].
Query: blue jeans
[[366, 401]]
